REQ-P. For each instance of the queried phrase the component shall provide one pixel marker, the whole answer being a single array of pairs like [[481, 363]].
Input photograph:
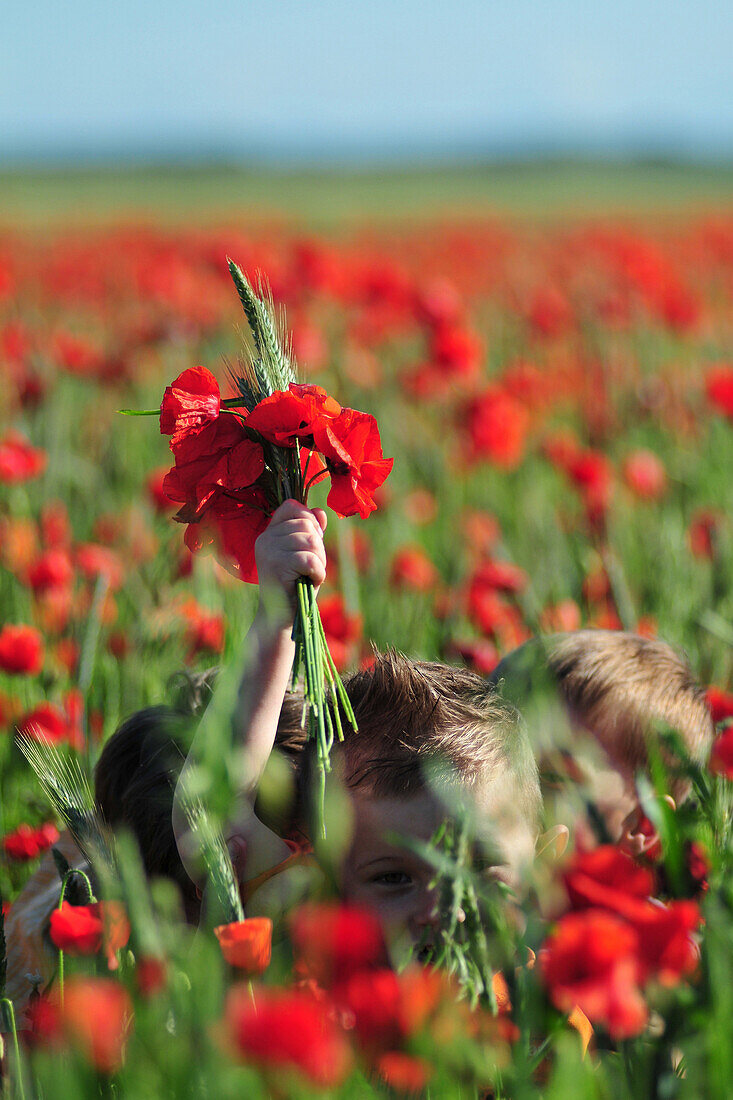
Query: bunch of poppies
[[224, 479]]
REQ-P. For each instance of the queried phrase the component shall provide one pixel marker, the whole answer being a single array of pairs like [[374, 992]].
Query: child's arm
[[290, 547]]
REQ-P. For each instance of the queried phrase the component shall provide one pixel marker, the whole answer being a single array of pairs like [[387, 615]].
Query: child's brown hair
[[415, 713], [417, 718]]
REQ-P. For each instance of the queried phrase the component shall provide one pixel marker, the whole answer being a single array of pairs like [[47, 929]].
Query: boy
[[591, 699], [412, 717]]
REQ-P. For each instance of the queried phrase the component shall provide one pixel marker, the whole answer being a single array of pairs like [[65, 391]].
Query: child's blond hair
[[618, 686]]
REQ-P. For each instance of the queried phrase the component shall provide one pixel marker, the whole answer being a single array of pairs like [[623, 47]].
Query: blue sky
[[362, 79]]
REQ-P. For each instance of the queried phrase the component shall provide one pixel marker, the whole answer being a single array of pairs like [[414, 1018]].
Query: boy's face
[[382, 874], [394, 882]]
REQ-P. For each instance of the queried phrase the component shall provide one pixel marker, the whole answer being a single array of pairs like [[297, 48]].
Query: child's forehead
[[417, 815]]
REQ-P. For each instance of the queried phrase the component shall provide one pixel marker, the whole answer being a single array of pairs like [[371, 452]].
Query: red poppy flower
[[719, 388], [246, 944], [456, 350], [287, 1030], [668, 951], [75, 355], [479, 654], [292, 414], [591, 471], [387, 1007], [720, 703], [352, 449], [562, 616], [96, 1016], [412, 568], [645, 475], [43, 1023], [598, 877], [55, 525], [698, 866], [49, 722], [560, 448], [232, 534], [497, 427], [331, 941], [591, 961], [46, 720], [550, 313], [21, 650], [84, 929], [27, 843], [204, 630], [53, 569], [721, 756], [151, 974], [404, 1072], [19, 461], [218, 458], [95, 561], [374, 999], [342, 629], [703, 532], [503, 576], [189, 403]]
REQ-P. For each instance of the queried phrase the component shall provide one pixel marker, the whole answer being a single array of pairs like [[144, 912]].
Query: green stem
[[90, 894], [313, 691], [7, 1004], [88, 655]]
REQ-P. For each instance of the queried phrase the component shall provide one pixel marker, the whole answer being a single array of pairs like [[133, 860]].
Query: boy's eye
[[392, 878]]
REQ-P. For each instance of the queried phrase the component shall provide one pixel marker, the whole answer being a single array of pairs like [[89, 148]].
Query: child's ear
[[551, 845], [638, 835]]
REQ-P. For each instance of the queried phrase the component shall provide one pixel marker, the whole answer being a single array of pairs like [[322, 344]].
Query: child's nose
[[427, 915]]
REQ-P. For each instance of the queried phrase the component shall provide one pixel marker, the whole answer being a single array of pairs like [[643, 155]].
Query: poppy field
[[557, 399]]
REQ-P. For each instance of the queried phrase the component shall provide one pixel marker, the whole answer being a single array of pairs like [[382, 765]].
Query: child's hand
[[291, 547]]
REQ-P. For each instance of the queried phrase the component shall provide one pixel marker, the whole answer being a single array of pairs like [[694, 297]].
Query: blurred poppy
[[411, 568], [332, 941], [720, 703], [719, 388], [721, 755], [703, 532], [496, 426], [19, 461], [591, 961], [645, 475], [21, 650], [286, 1030], [562, 616], [342, 629], [403, 1072], [49, 722], [151, 974], [26, 843], [52, 569], [598, 877], [96, 1016]]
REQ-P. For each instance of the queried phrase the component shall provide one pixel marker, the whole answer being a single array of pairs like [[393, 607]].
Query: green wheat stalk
[[222, 886], [273, 368], [67, 788]]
